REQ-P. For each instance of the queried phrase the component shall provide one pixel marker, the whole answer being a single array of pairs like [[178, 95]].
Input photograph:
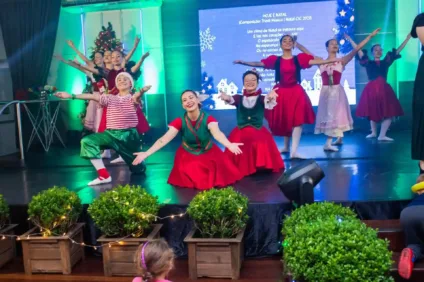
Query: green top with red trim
[[197, 138]]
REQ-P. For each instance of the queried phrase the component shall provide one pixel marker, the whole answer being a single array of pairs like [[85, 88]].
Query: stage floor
[[363, 170], [373, 178]]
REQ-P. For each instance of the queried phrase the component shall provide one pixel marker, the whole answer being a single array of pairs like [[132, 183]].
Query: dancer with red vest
[[199, 163], [259, 148], [293, 105]]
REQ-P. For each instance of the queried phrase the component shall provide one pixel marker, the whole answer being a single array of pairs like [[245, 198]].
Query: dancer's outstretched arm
[[81, 55], [69, 63], [88, 68], [221, 138], [250, 64], [318, 61], [303, 49], [131, 53], [137, 66], [354, 45], [65, 95], [357, 47], [161, 142], [137, 96], [400, 48]]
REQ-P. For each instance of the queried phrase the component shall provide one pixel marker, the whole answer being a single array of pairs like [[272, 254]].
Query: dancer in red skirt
[[259, 148], [378, 101], [199, 163], [293, 105]]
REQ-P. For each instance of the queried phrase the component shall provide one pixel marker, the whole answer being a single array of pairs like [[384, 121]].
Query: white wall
[[7, 120]]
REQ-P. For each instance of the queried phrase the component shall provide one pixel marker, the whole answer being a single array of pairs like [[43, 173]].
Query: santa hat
[[126, 75]]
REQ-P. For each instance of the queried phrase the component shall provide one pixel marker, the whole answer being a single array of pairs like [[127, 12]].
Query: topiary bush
[[55, 210], [219, 213], [124, 211], [337, 250], [313, 212], [4, 212]]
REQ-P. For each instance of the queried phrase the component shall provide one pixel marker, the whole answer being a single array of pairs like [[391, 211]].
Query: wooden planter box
[[7, 246], [217, 258], [118, 259], [55, 254]]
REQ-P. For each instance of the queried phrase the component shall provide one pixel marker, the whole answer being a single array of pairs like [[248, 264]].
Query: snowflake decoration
[[206, 40], [203, 64]]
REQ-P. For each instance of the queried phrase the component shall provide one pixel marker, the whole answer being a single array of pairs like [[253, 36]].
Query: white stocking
[[97, 163], [328, 146], [373, 130], [296, 134], [384, 127], [286, 145]]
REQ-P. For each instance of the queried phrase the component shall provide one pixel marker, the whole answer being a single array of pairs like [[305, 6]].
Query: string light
[[120, 241]]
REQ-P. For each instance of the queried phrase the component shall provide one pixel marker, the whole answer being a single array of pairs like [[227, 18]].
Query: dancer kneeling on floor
[[199, 163], [121, 134], [259, 148], [412, 220]]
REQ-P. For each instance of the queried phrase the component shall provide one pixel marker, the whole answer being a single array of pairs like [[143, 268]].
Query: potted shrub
[[124, 215], [48, 247], [313, 212], [215, 244], [7, 244], [334, 247]]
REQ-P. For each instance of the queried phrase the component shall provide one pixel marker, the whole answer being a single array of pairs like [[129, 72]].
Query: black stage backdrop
[[29, 31]]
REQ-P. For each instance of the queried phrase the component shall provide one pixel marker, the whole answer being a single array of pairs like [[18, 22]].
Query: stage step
[[417, 274], [390, 230]]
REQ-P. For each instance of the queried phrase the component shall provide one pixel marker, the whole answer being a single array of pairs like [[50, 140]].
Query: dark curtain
[[29, 31]]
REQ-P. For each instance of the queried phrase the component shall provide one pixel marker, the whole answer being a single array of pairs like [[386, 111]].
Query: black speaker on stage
[[298, 182]]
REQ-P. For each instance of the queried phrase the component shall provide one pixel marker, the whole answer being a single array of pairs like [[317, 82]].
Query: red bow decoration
[[102, 84], [257, 93]]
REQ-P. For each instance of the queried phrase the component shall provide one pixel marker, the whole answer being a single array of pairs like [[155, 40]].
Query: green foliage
[[4, 212], [313, 212], [55, 210], [219, 213], [337, 250], [123, 211]]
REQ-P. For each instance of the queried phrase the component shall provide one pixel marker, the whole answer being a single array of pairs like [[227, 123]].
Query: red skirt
[[142, 126], [293, 109], [378, 101], [259, 150], [205, 171]]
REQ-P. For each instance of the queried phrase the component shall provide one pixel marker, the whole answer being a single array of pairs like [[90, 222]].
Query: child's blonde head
[[154, 258]]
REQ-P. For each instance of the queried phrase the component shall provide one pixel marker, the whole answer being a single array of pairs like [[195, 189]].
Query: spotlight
[[298, 182]]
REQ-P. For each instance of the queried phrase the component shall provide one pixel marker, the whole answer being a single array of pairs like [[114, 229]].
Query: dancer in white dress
[[334, 116]]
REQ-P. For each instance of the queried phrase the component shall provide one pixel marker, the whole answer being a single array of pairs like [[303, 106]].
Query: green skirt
[[125, 142]]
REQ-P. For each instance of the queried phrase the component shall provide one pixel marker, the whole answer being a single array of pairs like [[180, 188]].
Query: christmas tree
[[208, 88], [106, 41], [345, 24]]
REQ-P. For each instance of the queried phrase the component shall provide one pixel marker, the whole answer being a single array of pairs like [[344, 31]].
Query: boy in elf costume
[[121, 134]]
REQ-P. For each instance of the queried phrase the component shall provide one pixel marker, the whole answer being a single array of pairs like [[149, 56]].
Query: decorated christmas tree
[[208, 88], [345, 21], [106, 41]]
